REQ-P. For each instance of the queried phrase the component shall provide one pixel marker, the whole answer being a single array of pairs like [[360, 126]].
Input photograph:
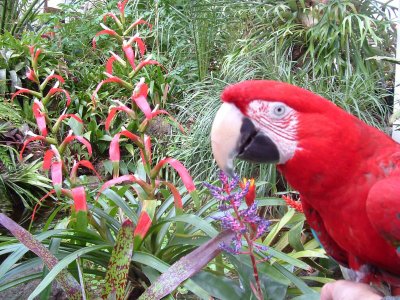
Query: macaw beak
[[235, 135]]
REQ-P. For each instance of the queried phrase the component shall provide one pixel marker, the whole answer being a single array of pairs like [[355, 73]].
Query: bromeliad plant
[[89, 219], [130, 68], [53, 157], [256, 257], [140, 114]]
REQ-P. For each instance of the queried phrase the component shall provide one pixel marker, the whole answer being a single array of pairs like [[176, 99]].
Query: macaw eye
[[279, 110]]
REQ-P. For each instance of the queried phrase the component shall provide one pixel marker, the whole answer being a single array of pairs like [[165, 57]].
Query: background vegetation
[[193, 50]]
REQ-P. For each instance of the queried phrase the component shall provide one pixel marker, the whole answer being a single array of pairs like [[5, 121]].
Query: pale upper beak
[[235, 135]]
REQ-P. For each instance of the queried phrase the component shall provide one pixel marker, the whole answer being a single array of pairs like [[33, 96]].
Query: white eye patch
[[279, 122]]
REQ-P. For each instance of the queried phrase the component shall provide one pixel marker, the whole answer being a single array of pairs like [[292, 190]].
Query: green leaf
[[159, 265], [77, 127], [3, 82], [197, 222], [58, 268], [295, 236], [270, 202], [303, 287], [20, 280], [66, 280], [271, 288], [287, 258], [278, 226], [118, 267], [186, 267], [219, 287], [120, 202]]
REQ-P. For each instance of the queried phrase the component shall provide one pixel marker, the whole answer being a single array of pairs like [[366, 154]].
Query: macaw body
[[347, 172]]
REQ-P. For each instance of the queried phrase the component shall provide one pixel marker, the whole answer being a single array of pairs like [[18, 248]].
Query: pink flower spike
[[182, 171], [39, 202], [113, 112], [81, 139], [136, 139], [108, 80], [136, 23], [34, 138], [112, 182], [39, 116], [130, 54], [31, 75], [141, 45], [58, 77], [109, 64], [175, 193], [79, 197], [111, 15], [83, 163], [139, 97], [139, 42], [32, 50], [63, 117], [38, 52], [145, 63], [140, 21], [114, 151], [114, 145], [47, 159], [105, 31], [56, 173], [59, 90], [121, 6], [23, 91], [143, 225]]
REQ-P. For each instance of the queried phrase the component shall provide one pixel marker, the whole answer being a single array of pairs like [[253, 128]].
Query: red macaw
[[347, 172]]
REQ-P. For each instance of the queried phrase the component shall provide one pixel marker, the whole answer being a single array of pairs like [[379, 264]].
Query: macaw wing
[[323, 237], [383, 208]]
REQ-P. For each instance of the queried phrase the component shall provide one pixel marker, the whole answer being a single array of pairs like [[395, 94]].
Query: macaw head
[[274, 122]]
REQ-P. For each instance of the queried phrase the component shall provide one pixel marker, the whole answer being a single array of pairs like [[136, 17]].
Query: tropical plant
[[141, 208], [325, 38], [17, 14]]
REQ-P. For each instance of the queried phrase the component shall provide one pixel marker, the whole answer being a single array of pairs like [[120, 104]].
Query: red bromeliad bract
[[40, 116], [81, 139], [114, 146], [180, 168], [79, 197], [143, 225], [139, 97], [105, 31], [56, 173], [82, 163], [29, 140], [31, 75], [114, 110]]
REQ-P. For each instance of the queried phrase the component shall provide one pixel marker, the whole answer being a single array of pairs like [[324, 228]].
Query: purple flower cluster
[[244, 222]]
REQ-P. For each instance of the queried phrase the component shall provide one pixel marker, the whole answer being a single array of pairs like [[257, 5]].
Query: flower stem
[[258, 291]]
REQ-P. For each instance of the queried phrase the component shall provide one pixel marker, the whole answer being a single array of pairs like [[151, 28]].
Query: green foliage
[[267, 52], [15, 15], [10, 116], [202, 46], [120, 260], [323, 40]]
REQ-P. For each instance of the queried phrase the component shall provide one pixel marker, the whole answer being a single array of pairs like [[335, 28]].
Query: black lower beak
[[255, 146]]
